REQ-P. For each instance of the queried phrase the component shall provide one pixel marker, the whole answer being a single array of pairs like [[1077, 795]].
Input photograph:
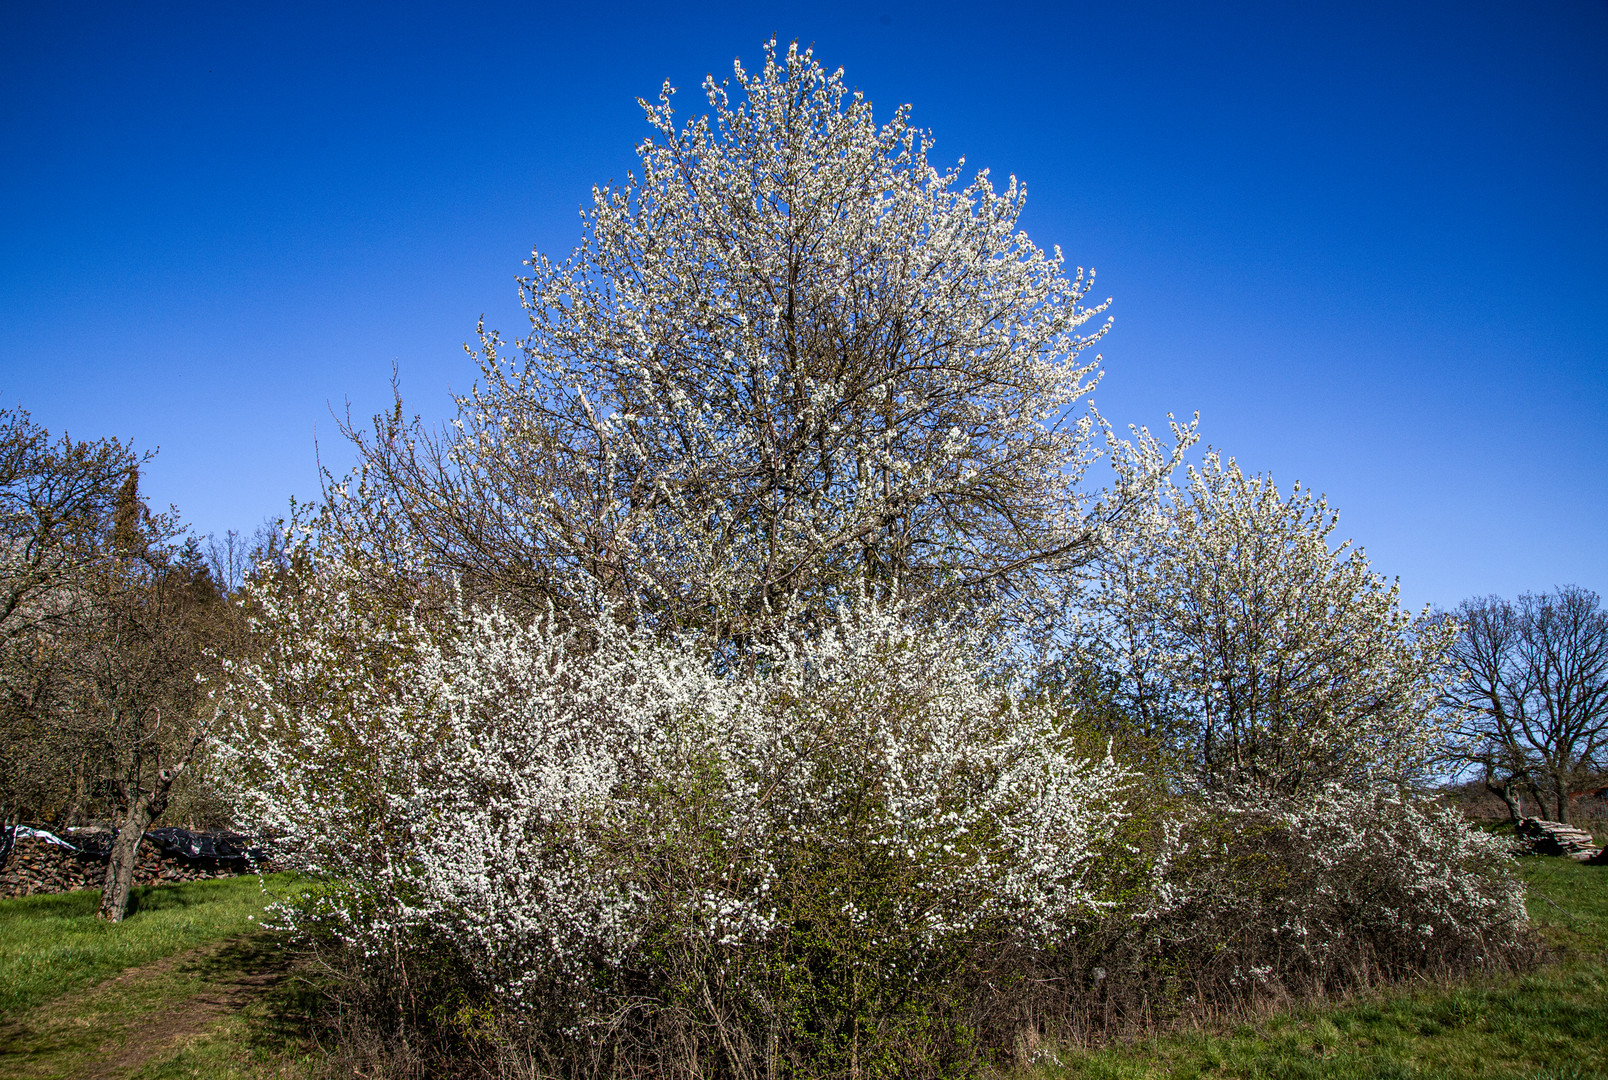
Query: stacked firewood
[[40, 866], [1556, 838]]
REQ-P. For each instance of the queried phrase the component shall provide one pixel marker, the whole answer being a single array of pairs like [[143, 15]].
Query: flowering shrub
[[1336, 888], [1248, 898], [797, 861], [865, 852], [794, 369]]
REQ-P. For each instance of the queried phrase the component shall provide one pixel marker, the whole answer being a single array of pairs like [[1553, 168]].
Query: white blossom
[[551, 799], [791, 362], [1268, 656], [1331, 881]]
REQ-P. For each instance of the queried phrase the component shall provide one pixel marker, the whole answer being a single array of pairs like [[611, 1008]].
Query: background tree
[[1532, 687], [57, 501], [236, 559], [111, 614], [138, 662], [1265, 656], [790, 363]]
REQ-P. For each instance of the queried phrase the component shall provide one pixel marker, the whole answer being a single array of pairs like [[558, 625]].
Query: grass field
[[188, 987], [1549, 1024], [52, 944], [187, 982]]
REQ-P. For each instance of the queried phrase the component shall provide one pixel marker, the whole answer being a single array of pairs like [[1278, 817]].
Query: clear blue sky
[[1368, 242]]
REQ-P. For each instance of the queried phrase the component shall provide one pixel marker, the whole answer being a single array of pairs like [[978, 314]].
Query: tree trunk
[[1560, 788], [1514, 799], [8, 835], [143, 809]]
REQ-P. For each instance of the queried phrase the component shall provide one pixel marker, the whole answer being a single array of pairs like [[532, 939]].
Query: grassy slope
[[186, 978], [1552, 1023]]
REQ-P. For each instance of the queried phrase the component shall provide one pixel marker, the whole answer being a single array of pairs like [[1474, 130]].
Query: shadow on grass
[[145, 898], [260, 973]]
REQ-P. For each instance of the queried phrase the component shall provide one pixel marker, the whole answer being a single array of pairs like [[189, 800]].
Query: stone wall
[[38, 866]]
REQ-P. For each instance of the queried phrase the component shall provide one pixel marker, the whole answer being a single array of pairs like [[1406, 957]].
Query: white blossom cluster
[[672, 674], [1268, 656], [1338, 877], [551, 801], [791, 362]]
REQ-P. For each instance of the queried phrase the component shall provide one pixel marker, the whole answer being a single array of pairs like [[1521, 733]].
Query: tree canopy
[[1531, 687], [791, 361], [1265, 655]]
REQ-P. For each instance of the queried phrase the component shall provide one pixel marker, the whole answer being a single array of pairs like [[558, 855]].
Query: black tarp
[[93, 841], [184, 843], [204, 845]]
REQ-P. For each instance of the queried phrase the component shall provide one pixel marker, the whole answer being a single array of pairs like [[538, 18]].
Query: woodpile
[[39, 866], [1555, 838]]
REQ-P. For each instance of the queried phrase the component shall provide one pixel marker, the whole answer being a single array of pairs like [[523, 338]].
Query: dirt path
[[144, 1015]]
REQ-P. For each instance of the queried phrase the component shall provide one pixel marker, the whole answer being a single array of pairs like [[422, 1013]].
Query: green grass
[[1568, 902], [235, 1050], [1549, 1024], [187, 985], [53, 944], [222, 1010]]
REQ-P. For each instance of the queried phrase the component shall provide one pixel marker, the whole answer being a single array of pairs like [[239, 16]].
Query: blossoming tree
[[791, 361], [1268, 657], [659, 699]]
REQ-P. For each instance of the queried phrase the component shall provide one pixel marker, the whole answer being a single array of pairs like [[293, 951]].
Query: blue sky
[[1368, 242]]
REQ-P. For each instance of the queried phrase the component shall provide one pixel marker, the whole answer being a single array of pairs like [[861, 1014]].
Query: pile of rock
[[38, 865], [1555, 838]]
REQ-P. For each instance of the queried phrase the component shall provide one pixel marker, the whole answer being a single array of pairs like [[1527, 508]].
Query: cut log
[[1555, 838]]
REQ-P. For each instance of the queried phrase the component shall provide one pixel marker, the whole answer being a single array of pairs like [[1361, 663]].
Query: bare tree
[[57, 502], [1482, 693], [236, 558], [106, 612], [137, 662], [1532, 687]]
